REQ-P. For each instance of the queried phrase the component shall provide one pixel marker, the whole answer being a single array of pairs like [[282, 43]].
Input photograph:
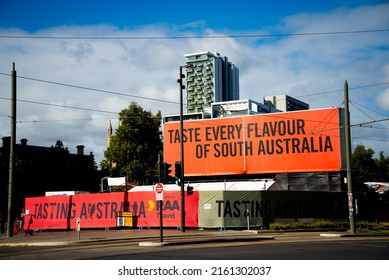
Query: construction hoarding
[[299, 141], [204, 209]]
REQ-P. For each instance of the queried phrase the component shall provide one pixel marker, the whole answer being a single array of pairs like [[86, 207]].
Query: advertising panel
[[300, 141], [228, 209], [100, 210]]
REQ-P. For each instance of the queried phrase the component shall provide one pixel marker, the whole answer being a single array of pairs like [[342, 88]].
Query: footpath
[[146, 237], [152, 236]]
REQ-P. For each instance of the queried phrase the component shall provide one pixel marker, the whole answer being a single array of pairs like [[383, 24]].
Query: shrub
[[360, 225]]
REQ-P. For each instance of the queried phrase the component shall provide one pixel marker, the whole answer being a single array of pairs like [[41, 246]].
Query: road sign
[[159, 188], [159, 197], [159, 191]]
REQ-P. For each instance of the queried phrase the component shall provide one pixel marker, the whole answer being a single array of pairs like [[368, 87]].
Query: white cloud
[[301, 66], [383, 99]]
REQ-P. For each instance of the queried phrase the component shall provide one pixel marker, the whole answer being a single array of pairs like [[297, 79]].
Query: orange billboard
[[300, 141]]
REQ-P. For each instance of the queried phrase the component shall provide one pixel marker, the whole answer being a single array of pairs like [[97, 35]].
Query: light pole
[[179, 80]]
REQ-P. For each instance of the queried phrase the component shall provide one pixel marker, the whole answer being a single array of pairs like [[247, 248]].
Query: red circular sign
[[159, 188]]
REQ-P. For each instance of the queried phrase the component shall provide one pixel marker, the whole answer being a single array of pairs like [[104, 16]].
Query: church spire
[[109, 134]]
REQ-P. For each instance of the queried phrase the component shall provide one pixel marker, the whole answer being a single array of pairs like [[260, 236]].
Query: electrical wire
[[62, 106], [363, 112], [92, 89], [191, 37], [167, 101], [341, 90], [369, 109], [161, 100], [67, 120]]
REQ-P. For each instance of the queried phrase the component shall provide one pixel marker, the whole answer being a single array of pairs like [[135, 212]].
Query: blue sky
[[243, 15], [312, 68]]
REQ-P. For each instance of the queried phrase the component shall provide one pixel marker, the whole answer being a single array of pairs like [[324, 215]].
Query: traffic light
[[177, 170], [166, 172], [189, 190]]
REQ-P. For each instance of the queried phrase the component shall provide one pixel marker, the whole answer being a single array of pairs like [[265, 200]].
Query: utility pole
[[348, 159], [12, 153], [182, 177]]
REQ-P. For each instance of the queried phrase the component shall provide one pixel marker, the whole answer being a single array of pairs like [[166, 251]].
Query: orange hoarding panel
[[301, 141], [101, 210]]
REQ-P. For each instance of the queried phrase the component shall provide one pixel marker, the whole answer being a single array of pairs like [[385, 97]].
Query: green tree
[[363, 164], [382, 164], [134, 149]]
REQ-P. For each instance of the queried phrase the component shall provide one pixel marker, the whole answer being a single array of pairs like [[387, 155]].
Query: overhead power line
[[62, 106], [190, 37], [134, 96], [167, 101], [351, 125], [94, 89], [369, 122], [341, 90], [375, 111], [63, 120]]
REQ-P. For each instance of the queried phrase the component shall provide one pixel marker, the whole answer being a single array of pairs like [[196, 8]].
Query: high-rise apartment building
[[211, 79]]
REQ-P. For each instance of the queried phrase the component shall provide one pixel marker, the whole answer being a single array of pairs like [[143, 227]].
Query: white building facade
[[285, 103]]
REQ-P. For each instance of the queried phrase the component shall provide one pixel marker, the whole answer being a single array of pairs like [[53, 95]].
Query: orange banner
[[300, 141], [99, 210]]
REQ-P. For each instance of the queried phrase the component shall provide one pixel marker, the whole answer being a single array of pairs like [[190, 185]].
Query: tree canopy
[[134, 148], [365, 168]]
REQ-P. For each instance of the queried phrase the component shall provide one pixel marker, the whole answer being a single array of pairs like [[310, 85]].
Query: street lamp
[[179, 80]]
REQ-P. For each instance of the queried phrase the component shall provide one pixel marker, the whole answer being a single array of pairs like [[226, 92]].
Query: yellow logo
[[151, 205]]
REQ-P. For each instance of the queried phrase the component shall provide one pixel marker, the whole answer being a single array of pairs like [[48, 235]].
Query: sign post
[[78, 227], [159, 197]]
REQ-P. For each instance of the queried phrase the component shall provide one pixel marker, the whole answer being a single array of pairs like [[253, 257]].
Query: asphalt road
[[346, 250], [283, 247]]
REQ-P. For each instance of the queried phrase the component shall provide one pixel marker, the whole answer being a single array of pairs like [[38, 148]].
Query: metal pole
[[160, 202], [348, 159], [182, 154], [160, 221], [78, 227], [12, 153], [248, 219]]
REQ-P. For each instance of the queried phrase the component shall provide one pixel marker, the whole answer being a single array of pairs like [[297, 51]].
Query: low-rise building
[[41, 169]]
